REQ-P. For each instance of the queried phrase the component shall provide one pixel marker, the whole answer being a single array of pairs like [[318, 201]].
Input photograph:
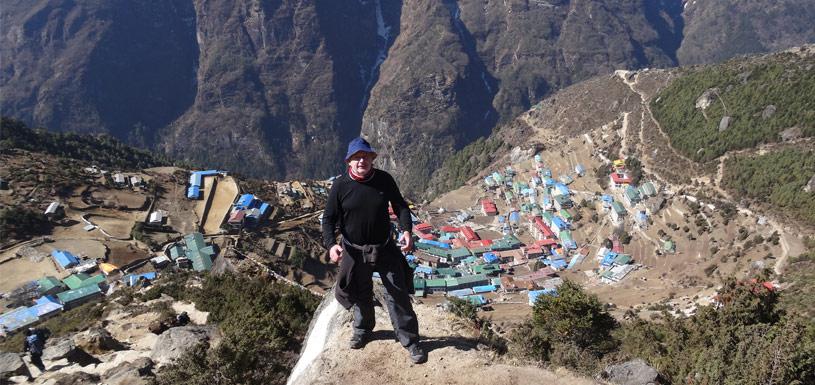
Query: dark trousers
[[396, 296], [36, 360]]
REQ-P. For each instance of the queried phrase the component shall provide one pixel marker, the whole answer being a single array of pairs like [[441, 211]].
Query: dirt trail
[[785, 238]]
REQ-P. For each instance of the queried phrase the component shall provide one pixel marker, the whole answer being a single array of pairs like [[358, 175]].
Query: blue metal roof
[[18, 318], [208, 172], [609, 258], [194, 192], [133, 279], [490, 257], [438, 244], [64, 259], [460, 293], [514, 216], [562, 188], [484, 289], [46, 305], [264, 209], [245, 201], [195, 179], [423, 269], [560, 223]]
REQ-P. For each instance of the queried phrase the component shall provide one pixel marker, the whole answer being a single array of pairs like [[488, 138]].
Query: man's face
[[362, 162]]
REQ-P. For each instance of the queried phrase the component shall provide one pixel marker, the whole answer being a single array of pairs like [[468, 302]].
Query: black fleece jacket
[[360, 210]]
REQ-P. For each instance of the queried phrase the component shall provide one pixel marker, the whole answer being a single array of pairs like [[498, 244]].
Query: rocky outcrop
[[137, 372], [11, 364], [65, 348], [634, 372], [176, 341], [76, 378], [454, 355], [97, 340]]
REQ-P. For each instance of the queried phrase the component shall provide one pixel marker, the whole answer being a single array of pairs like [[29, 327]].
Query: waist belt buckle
[[370, 254]]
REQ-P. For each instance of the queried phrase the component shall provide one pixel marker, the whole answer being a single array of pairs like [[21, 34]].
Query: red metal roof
[[620, 178], [616, 247], [469, 234], [449, 229], [423, 227], [543, 228], [545, 242], [236, 216]]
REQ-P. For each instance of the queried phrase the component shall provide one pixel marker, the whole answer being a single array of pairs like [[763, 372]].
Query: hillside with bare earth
[[277, 89], [611, 117]]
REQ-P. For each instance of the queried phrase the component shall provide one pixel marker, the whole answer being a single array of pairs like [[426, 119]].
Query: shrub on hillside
[[566, 329], [263, 324], [743, 92], [20, 222]]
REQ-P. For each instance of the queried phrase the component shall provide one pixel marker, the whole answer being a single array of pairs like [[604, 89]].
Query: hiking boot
[[359, 340], [417, 354]]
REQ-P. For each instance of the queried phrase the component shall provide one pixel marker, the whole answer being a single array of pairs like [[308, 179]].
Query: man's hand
[[407, 241], [335, 253]]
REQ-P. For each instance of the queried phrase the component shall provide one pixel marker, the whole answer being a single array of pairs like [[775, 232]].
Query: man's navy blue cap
[[358, 145]]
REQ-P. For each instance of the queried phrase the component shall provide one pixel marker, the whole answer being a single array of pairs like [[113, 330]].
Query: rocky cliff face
[[277, 88]]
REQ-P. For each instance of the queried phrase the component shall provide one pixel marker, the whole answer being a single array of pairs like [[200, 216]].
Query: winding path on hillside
[[784, 236]]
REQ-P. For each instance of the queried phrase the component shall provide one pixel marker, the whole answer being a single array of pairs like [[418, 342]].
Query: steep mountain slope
[[277, 88], [718, 30]]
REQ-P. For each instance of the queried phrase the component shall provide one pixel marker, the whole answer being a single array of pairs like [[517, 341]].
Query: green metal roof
[[176, 251], [547, 217], [648, 188], [565, 235], [449, 271], [49, 283], [418, 283], [194, 241], [479, 250], [77, 294], [436, 283], [486, 269], [470, 279], [622, 259], [565, 214], [460, 252], [200, 261], [508, 242], [616, 206], [75, 281], [632, 194], [198, 252]]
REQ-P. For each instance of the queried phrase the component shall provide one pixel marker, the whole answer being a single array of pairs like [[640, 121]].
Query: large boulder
[[76, 378], [138, 372], [11, 364], [176, 341], [66, 348], [634, 372], [98, 340]]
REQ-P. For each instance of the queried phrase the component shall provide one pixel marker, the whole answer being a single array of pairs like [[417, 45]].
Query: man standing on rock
[[358, 205]]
